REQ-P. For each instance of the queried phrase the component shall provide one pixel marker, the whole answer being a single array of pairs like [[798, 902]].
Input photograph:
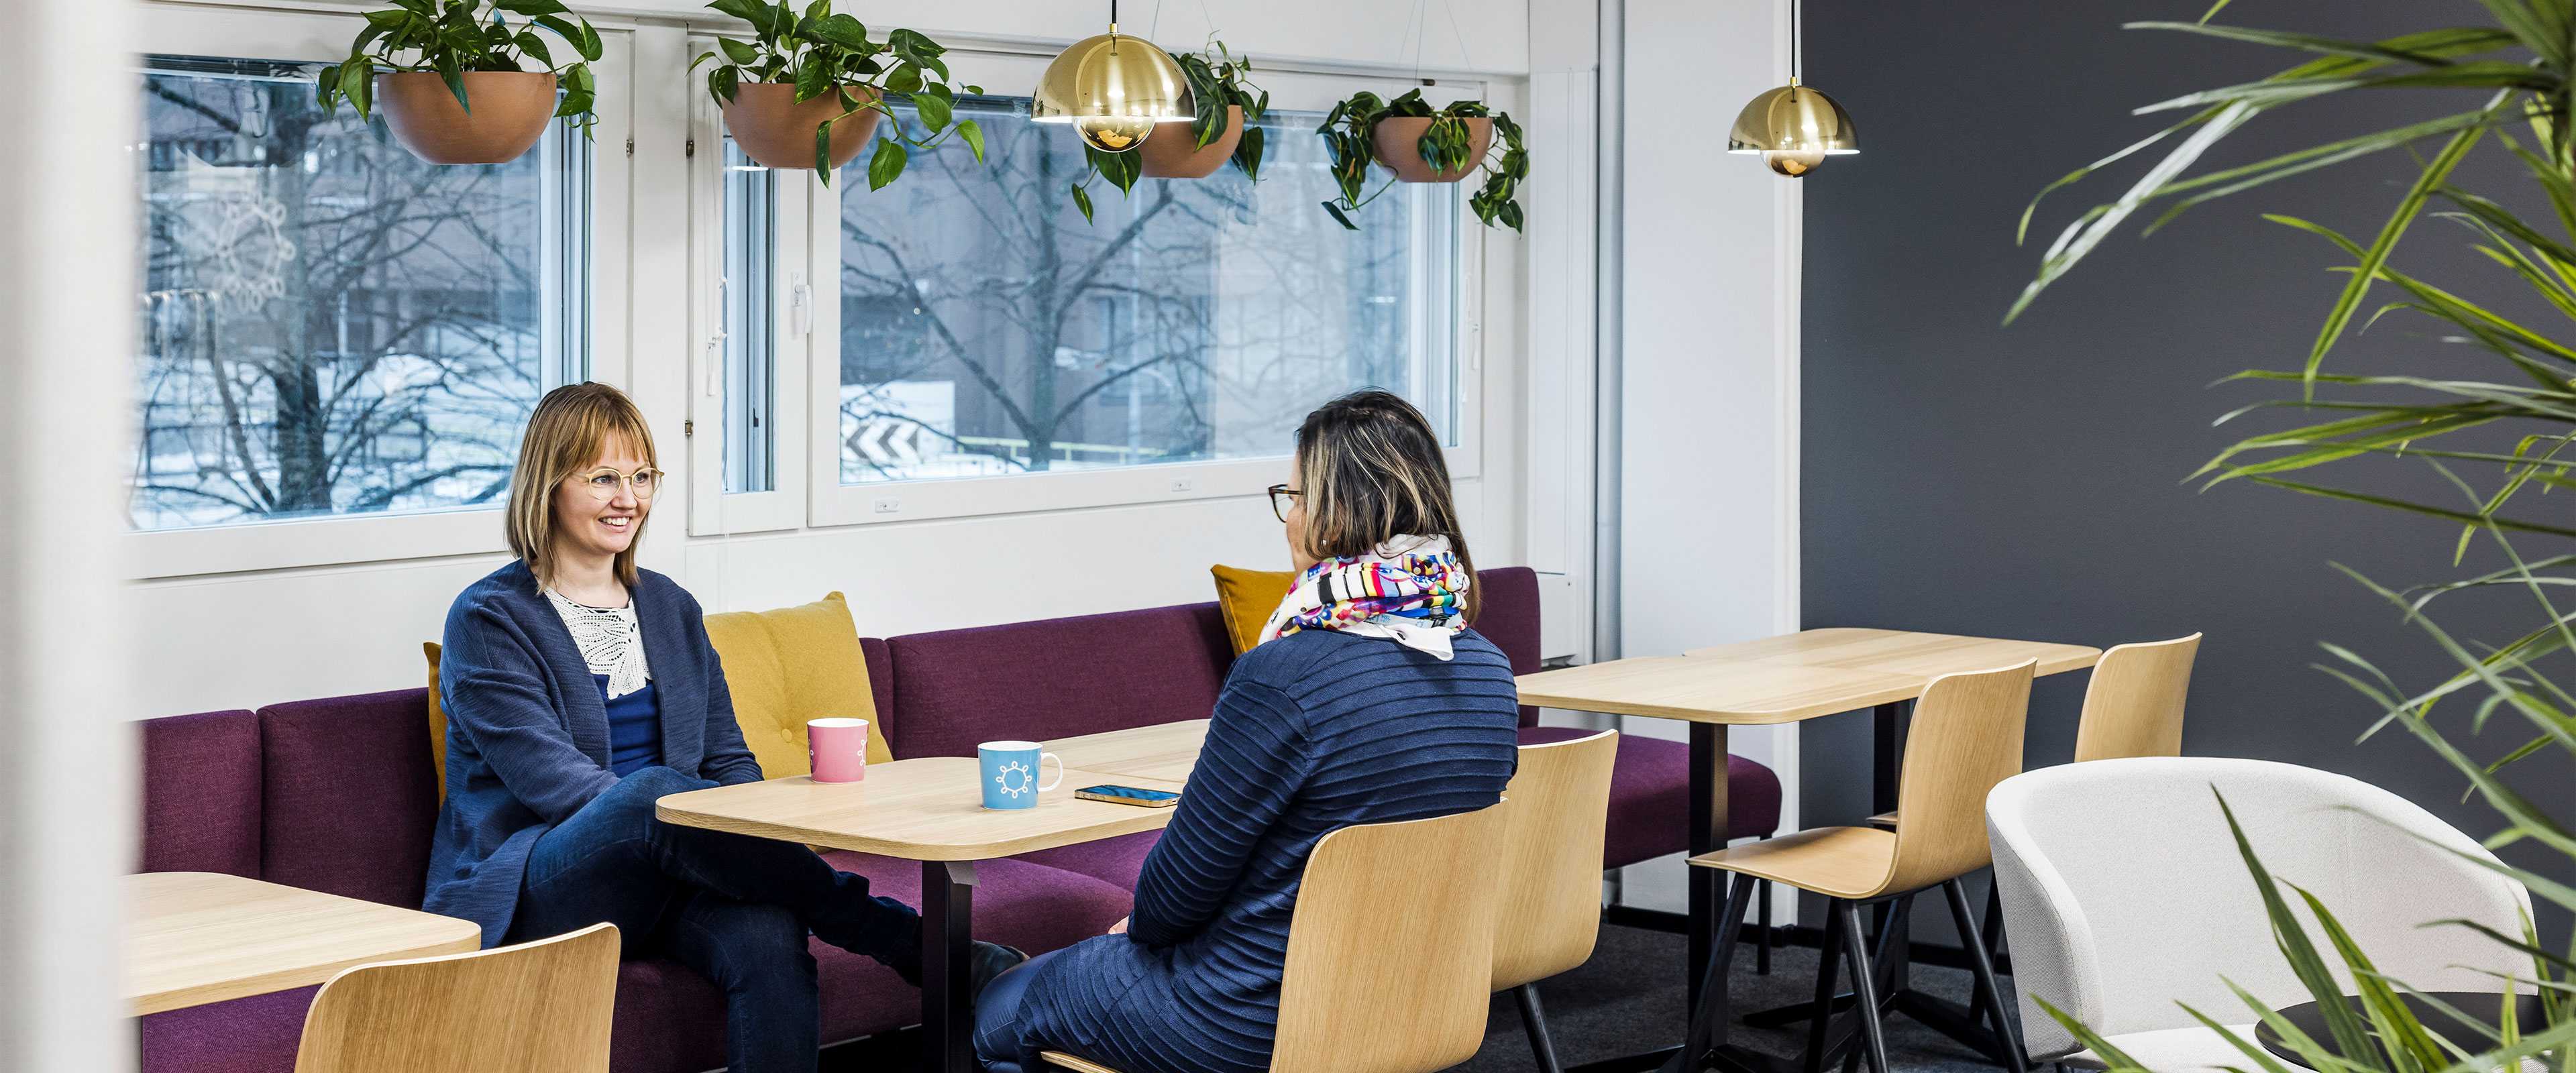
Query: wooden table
[[930, 809], [1784, 679], [201, 937]]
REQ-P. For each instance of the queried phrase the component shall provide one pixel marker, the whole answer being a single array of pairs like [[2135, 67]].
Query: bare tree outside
[[987, 328], [330, 326]]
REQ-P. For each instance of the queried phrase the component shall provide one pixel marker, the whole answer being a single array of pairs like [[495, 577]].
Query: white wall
[[245, 639], [1708, 545], [65, 316]]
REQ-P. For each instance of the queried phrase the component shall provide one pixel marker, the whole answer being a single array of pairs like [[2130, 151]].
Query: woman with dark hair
[[579, 690], [1368, 701]]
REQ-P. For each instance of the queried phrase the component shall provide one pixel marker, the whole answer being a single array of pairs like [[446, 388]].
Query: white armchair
[[2124, 895]]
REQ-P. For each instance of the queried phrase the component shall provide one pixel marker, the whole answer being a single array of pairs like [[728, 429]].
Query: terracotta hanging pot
[[511, 111], [1173, 152], [777, 130], [1398, 141]]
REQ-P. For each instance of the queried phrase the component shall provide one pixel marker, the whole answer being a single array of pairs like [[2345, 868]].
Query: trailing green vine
[[454, 37], [1448, 144], [824, 52]]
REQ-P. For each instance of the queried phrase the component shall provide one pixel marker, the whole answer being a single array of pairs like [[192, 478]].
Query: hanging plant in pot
[[1226, 104], [1422, 144], [452, 76], [809, 90]]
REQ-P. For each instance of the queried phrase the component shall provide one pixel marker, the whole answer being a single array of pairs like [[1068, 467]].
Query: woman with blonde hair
[[579, 689], [1367, 701]]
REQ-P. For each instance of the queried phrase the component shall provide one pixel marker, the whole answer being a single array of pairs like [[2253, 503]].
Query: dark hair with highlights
[[1370, 468]]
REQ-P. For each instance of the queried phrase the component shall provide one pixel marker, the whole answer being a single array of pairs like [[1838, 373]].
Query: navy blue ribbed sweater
[[1315, 731]]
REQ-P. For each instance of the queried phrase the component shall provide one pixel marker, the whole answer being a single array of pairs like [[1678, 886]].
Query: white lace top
[[610, 642]]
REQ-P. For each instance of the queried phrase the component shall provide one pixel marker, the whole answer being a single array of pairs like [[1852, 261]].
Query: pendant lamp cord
[[1796, 16]]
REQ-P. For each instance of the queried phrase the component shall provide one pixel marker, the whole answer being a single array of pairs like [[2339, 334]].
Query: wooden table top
[[927, 808], [201, 937], [1788, 678], [1164, 752]]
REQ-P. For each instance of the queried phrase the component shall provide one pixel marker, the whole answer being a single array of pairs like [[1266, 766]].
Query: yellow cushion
[[437, 720], [790, 665], [1246, 598]]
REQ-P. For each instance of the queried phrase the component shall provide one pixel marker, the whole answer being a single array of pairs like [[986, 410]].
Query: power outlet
[[888, 505]]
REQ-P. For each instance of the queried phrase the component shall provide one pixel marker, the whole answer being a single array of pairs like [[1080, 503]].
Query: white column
[[66, 316], [1708, 489]]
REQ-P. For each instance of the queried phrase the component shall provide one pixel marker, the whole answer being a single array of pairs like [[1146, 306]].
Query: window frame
[[191, 29], [713, 511], [835, 504]]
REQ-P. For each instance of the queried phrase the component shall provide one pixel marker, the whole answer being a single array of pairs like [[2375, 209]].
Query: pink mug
[[837, 749]]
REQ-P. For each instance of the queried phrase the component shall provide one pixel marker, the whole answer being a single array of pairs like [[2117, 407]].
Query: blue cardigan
[[1315, 731], [527, 732]]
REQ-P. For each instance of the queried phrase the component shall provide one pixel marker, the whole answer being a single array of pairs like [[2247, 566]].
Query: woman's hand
[[1119, 928]]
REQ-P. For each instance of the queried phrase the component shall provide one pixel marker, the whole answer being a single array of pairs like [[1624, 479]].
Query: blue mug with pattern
[[1010, 773]]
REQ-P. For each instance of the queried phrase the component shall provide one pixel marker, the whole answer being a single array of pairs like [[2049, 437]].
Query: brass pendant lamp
[[1113, 88], [1793, 127]]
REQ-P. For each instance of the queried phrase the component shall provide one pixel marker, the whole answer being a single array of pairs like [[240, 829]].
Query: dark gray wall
[[1964, 477]]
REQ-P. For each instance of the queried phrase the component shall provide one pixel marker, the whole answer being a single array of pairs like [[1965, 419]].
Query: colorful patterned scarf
[[1409, 590]]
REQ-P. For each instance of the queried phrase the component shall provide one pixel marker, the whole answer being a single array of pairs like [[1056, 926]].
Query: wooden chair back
[[1555, 817], [1390, 950], [2134, 705], [539, 1007], [1965, 738]]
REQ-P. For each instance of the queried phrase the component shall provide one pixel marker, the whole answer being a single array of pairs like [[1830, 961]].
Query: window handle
[[714, 363], [800, 306]]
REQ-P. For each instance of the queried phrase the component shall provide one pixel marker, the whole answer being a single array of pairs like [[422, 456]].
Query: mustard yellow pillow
[[790, 665], [437, 720], [1246, 598]]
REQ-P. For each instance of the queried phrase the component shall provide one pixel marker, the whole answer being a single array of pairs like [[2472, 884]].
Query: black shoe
[[984, 962], [990, 960]]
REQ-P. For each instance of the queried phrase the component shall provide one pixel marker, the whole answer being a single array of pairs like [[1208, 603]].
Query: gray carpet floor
[[1627, 999]]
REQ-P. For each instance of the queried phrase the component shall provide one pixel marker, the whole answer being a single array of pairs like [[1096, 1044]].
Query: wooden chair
[[1550, 859], [2132, 707], [1966, 737], [1390, 950], [540, 1007]]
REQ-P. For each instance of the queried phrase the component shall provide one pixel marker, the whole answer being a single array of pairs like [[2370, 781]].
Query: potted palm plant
[[1227, 104], [2445, 416], [453, 78], [809, 90], [1423, 144]]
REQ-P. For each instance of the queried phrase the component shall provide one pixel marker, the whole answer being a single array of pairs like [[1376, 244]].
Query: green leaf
[[823, 152], [326, 88], [454, 76], [750, 11], [1082, 201], [535, 46], [1247, 153], [531, 8], [2302, 42], [358, 85], [2376, 256], [887, 163], [934, 111], [724, 83], [813, 77], [842, 30], [903, 79], [973, 132], [1336, 211], [741, 52]]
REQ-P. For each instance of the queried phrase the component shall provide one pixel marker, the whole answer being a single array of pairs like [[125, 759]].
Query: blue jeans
[[998, 1042], [733, 908]]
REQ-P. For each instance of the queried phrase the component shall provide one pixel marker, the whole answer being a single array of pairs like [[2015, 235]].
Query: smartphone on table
[[1129, 795]]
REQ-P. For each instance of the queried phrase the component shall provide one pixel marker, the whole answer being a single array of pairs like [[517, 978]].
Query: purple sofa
[[337, 795]]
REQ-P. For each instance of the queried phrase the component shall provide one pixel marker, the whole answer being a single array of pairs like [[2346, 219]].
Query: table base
[[947, 966]]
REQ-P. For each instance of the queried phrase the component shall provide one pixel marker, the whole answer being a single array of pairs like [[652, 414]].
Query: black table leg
[[1707, 835], [947, 979]]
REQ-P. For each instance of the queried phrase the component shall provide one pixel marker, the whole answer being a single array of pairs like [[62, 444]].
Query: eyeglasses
[[1283, 497], [603, 483]]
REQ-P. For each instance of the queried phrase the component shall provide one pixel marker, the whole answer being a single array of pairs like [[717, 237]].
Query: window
[[987, 330], [329, 326], [750, 346]]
